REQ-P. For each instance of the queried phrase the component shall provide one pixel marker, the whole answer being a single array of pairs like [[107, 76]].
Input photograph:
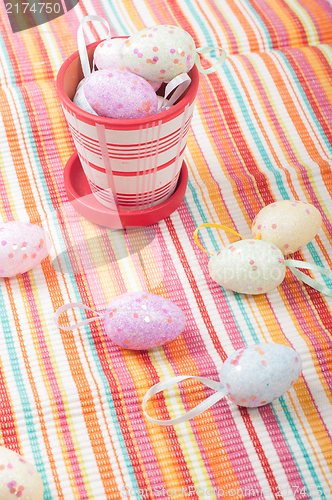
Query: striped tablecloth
[[71, 402]]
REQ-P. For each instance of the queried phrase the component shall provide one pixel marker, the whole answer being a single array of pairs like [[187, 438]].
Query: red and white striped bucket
[[131, 164]]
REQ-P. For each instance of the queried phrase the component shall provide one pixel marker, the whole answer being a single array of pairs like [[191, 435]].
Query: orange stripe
[[34, 389]]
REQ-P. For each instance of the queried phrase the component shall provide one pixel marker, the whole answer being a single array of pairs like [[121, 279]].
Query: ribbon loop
[[81, 42], [180, 83], [293, 264], [72, 305], [215, 66], [216, 226], [204, 405]]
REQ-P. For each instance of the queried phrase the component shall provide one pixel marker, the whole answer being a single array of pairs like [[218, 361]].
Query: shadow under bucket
[[134, 167]]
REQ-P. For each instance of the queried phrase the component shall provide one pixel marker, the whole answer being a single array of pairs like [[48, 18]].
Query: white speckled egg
[[159, 53], [107, 54], [120, 94], [289, 225], [248, 266], [80, 99], [22, 247], [18, 478], [259, 374], [141, 320]]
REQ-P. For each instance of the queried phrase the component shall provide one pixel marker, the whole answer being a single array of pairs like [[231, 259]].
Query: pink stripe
[[61, 411], [205, 366], [239, 165], [282, 450]]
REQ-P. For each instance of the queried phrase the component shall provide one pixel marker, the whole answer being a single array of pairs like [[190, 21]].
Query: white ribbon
[[293, 264], [81, 323], [204, 405], [180, 83], [81, 41], [215, 66]]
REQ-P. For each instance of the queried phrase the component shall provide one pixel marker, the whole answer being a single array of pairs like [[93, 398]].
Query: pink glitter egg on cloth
[[22, 246], [120, 94], [141, 320]]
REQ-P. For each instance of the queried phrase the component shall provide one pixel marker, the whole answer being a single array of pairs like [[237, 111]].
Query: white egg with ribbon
[[258, 265], [252, 376]]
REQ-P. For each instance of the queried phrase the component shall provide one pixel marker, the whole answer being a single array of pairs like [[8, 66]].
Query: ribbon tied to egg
[[134, 320], [252, 376], [258, 265]]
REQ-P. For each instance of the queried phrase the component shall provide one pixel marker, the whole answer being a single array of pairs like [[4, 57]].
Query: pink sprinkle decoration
[[155, 49], [274, 226], [251, 262], [4, 243], [10, 256], [172, 51]]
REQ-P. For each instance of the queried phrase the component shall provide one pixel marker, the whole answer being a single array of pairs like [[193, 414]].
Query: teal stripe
[[255, 135], [107, 6], [260, 25], [301, 445], [26, 407], [216, 249], [7, 59], [71, 277], [299, 90]]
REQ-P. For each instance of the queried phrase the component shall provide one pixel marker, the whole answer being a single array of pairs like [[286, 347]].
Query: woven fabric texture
[[71, 402]]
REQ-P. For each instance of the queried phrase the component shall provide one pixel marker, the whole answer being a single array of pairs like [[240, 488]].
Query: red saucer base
[[80, 196]]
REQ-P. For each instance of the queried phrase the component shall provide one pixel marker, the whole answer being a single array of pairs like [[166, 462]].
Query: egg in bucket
[[126, 172]]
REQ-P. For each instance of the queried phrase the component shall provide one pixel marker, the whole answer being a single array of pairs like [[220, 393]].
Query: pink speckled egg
[[120, 94], [248, 266], [159, 53], [18, 478], [22, 247], [259, 374], [107, 54], [141, 320], [289, 225]]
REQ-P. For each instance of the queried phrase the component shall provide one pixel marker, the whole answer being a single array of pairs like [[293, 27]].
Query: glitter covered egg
[[289, 225], [18, 478], [22, 247], [120, 94], [107, 54], [141, 320], [259, 374], [248, 266], [159, 53]]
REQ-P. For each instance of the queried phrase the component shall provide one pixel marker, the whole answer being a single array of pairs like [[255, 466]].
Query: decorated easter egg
[[141, 320], [120, 94], [159, 53], [18, 478], [258, 374], [248, 266], [289, 225], [22, 247], [107, 54], [80, 99]]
